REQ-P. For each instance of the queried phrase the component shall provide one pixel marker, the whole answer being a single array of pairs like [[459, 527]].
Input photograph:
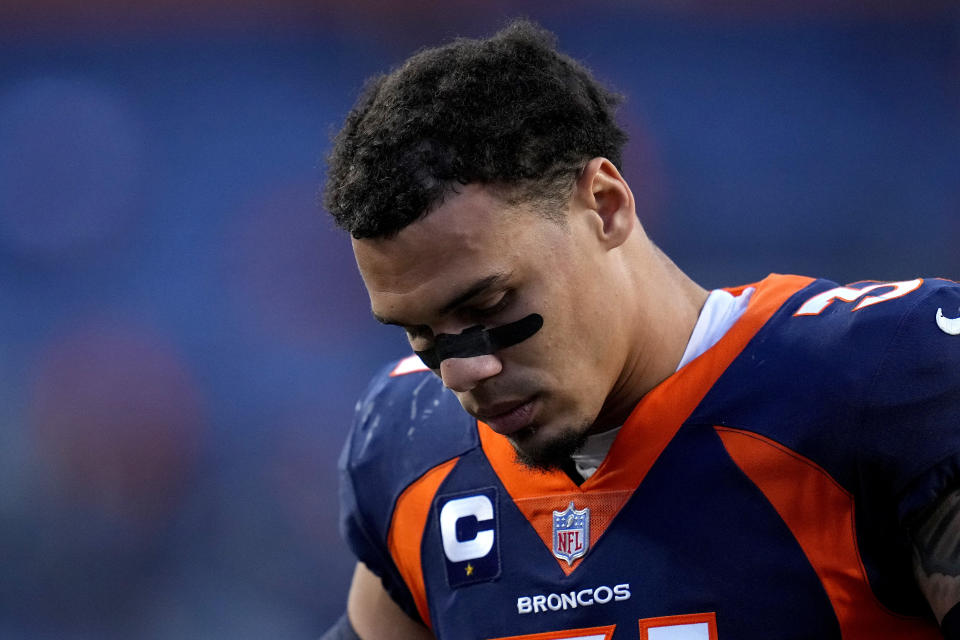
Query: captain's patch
[[469, 532]]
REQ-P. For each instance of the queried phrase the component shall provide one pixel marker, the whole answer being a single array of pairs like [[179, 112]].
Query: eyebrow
[[480, 286]]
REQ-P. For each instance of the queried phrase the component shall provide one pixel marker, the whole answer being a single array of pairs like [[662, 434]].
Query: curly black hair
[[509, 111]]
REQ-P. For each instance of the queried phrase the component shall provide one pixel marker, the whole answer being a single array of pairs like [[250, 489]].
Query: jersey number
[[815, 305], [691, 626]]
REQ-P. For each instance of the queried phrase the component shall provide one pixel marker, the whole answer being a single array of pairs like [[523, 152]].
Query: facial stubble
[[552, 455]]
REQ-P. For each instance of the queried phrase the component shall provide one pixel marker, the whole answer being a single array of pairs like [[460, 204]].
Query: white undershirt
[[719, 313]]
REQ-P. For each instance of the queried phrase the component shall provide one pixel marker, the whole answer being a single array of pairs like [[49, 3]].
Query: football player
[[586, 443]]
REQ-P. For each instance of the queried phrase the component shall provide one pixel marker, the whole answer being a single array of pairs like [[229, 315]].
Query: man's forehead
[[398, 267], [468, 234]]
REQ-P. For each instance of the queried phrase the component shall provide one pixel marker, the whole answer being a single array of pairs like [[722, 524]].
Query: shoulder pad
[[405, 424], [846, 328], [848, 373]]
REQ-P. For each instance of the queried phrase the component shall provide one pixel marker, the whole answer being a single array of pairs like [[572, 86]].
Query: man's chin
[[549, 453]]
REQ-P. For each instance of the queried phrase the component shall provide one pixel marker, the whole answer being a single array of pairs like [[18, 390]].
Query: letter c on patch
[[479, 507]]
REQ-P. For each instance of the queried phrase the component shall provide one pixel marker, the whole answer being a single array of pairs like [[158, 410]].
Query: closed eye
[[490, 310]]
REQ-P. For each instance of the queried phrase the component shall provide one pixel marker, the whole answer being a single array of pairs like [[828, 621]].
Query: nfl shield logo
[[571, 533]]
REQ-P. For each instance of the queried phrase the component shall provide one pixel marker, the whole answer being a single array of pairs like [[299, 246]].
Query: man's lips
[[506, 419]]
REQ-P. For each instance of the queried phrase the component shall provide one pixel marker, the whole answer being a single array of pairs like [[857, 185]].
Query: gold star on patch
[[469, 569]]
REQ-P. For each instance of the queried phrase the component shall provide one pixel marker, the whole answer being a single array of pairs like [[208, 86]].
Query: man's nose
[[463, 374]]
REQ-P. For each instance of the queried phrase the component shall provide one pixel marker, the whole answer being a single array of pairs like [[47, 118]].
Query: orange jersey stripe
[[406, 532], [820, 515], [648, 430]]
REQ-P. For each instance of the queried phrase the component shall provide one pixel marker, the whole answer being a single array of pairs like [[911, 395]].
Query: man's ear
[[604, 195]]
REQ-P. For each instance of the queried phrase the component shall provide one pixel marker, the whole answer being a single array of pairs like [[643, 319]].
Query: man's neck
[[720, 311], [662, 310]]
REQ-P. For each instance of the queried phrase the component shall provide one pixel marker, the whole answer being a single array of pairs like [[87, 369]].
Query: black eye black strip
[[477, 341]]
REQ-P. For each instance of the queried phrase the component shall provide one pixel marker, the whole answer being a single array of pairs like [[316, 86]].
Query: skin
[[936, 560], [373, 613], [617, 317], [617, 313]]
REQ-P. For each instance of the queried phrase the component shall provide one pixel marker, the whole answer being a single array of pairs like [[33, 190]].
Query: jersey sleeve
[[911, 429], [406, 424], [361, 527]]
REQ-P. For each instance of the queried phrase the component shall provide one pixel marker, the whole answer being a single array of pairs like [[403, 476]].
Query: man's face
[[477, 261]]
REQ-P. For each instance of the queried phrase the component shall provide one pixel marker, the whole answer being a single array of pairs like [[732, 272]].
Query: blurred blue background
[[184, 333]]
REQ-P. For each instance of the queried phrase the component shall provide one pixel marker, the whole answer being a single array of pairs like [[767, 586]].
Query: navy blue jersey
[[762, 491]]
